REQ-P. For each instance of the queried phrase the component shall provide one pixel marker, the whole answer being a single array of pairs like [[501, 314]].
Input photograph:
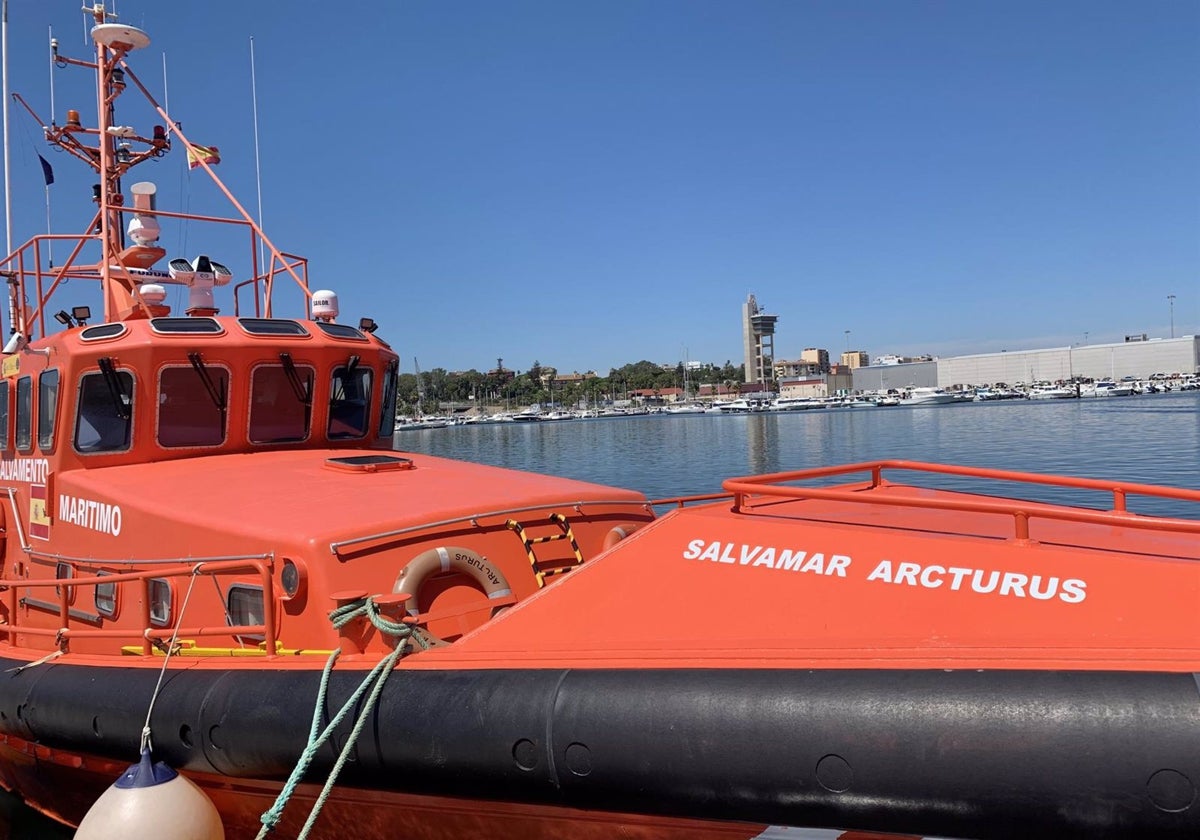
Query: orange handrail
[[772, 486], [146, 632]]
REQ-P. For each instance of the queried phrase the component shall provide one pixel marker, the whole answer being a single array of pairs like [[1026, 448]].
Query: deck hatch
[[272, 326], [369, 463], [175, 326], [341, 331], [101, 331]]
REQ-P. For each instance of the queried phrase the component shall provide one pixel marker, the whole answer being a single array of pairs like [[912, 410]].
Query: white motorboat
[[927, 396], [684, 408], [1052, 392], [795, 404], [741, 405], [1108, 388]]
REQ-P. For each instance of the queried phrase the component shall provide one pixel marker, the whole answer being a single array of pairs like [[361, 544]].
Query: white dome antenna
[[120, 36], [152, 293], [324, 306], [143, 227]]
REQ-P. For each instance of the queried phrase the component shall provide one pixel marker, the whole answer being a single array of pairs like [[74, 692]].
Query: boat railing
[[752, 490], [684, 501], [498, 517], [27, 267], [291, 265], [151, 636], [25, 264]]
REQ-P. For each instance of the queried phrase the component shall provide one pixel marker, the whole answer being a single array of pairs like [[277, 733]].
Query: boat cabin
[[150, 389]]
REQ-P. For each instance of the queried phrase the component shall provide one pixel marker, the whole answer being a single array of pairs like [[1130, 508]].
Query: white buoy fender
[[152, 800]]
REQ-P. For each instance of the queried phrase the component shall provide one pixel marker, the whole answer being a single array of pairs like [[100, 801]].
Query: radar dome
[[324, 305], [152, 293]]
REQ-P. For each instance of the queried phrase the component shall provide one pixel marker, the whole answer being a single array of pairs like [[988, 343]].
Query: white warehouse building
[[1139, 359]]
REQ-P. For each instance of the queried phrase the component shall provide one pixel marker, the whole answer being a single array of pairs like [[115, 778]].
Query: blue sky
[[586, 184]]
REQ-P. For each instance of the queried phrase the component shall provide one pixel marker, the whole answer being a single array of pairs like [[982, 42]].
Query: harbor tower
[[758, 339]]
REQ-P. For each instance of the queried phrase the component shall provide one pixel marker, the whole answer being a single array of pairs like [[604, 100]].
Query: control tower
[[758, 339]]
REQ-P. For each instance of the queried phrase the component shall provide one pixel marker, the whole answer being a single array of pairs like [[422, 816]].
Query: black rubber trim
[[987, 754]]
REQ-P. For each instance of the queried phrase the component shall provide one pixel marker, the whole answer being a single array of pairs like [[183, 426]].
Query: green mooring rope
[[316, 736]]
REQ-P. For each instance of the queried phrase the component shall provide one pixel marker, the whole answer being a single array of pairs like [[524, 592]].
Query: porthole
[[106, 597]]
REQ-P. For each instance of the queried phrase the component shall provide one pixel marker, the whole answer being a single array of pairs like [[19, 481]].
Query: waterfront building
[[818, 356], [895, 376], [574, 378], [891, 359], [840, 379], [796, 369], [1138, 358], [856, 358], [812, 388]]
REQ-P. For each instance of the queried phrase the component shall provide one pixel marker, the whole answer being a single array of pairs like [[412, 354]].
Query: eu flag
[[47, 171]]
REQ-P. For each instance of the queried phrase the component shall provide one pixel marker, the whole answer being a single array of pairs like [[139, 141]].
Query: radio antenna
[[262, 252], [7, 180]]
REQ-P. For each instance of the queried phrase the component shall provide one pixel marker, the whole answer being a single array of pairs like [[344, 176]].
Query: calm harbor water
[[1152, 439]]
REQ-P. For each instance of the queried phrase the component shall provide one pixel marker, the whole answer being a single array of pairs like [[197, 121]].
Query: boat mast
[[111, 231]]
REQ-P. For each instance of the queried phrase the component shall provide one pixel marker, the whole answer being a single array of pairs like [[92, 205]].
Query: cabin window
[[47, 409], [387, 409], [281, 402], [192, 401], [245, 608], [350, 401], [170, 326], [160, 602], [25, 413], [104, 422], [272, 326], [106, 597], [4, 441], [103, 331], [341, 331]]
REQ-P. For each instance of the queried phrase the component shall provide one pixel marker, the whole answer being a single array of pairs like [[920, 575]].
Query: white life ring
[[619, 533]]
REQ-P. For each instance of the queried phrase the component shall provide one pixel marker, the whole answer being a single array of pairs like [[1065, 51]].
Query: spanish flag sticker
[[39, 514]]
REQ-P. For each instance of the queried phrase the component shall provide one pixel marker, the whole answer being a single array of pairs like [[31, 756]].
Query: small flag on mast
[[209, 154], [47, 171]]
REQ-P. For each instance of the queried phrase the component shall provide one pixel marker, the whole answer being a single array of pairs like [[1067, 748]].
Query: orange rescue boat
[[212, 551]]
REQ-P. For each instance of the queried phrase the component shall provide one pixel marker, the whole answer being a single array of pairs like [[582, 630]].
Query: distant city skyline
[[589, 183]]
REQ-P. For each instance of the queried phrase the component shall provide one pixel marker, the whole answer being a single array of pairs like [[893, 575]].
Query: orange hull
[[56, 777]]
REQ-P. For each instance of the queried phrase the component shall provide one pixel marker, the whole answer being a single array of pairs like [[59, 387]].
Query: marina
[[1153, 438]]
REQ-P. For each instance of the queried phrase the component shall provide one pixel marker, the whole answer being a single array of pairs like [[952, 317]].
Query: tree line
[[438, 388]]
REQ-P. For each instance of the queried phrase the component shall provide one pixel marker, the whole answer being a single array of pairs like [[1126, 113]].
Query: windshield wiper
[[120, 399], [302, 390], [214, 393]]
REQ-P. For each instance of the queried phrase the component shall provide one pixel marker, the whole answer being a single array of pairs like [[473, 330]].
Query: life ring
[[449, 558], [619, 533]]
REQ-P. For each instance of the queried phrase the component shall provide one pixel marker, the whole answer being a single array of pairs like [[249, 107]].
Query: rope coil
[[317, 737]]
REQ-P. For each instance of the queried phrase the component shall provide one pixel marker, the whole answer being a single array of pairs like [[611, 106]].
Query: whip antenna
[[7, 181], [262, 258]]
